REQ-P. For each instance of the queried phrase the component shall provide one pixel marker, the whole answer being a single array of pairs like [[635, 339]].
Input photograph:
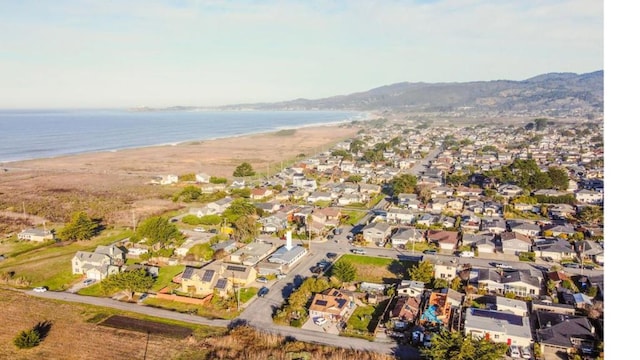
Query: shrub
[[27, 339]]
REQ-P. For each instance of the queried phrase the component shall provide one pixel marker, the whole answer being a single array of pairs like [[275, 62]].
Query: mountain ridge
[[550, 94]]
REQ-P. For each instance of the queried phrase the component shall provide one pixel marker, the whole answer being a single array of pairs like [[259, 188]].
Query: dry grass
[[110, 185], [71, 337], [75, 334]]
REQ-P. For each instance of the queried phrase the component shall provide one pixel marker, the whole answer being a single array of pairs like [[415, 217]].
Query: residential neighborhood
[[438, 206]]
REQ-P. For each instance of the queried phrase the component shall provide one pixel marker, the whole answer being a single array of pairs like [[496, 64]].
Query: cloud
[[284, 49]]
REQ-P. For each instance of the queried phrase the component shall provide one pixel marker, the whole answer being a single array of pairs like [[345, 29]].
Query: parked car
[[88, 282], [262, 279], [320, 321], [281, 276], [142, 297], [502, 266], [430, 252], [40, 289], [525, 352], [514, 351], [199, 229], [358, 251], [571, 265], [466, 254], [316, 269], [263, 291], [331, 255]]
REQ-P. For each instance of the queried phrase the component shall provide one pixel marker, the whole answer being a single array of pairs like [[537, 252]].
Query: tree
[[129, 281], [244, 169], [238, 207], [559, 178], [404, 183], [356, 146], [541, 123], [246, 228], [158, 229], [422, 272], [344, 270], [189, 193], [80, 227], [447, 345], [591, 214]]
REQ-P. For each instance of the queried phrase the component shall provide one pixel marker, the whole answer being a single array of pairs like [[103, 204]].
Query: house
[[199, 282], [203, 178], [557, 249], [561, 211], [403, 236], [589, 196], [252, 253], [228, 246], [319, 196], [591, 250], [563, 333], [376, 232], [498, 326], [494, 225], [273, 223], [491, 208], [483, 242], [470, 223], [513, 306], [565, 230], [404, 198], [524, 228], [514, 243], [406, 309], [509, 190], [288, 254], [97, 265], [455, 204], [411, 288], [427, 219], [400, 216], [446, 240], [468, 192], [260, 193], [519, 282], [36, 235], [331, 304], [347, 199], [219, 206], [165, 179], [548, 305], [445, 271], [442, 191]]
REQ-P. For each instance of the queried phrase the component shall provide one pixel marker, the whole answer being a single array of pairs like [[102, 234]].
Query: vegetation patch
[[285, 132], [145, 326]]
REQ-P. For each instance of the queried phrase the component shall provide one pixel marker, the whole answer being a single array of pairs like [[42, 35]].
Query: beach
[[114, 184]]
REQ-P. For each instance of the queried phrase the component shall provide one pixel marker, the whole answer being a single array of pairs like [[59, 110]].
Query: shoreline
[[361, 117]]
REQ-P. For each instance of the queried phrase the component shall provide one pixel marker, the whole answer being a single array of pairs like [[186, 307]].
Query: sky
[[96, 53]]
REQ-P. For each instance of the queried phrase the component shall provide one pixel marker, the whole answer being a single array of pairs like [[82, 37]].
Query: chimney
[[289, 246]]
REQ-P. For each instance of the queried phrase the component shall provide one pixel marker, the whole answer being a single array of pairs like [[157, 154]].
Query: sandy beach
[[112, 184]]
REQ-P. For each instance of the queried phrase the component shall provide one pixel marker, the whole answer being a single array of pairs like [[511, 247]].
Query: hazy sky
[[98, 53]]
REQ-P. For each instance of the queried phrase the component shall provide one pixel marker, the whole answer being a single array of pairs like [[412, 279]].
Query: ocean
[[33, 134]]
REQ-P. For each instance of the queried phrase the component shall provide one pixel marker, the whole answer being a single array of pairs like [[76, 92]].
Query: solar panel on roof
[[321, 302], [188, 272], [208, 275], [498, 315], [235, 268]]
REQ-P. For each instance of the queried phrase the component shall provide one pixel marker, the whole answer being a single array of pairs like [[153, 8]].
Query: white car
[[40, 289], [320, 321], [525, 352], [514, 352], [199, 229]]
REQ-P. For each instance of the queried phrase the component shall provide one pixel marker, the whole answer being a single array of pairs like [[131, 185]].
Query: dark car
[[430, 252], [331, 255], [263, 291], [571, 265], [316, 269]]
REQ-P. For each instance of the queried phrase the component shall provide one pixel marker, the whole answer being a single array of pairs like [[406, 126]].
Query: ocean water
[[31, 134]]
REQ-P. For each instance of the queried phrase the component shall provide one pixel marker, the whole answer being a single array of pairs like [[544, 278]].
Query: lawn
[[50, 265], [165, 274], [361, 318]]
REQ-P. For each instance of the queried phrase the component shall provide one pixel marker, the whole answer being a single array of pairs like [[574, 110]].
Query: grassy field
[[377, 270], [50, 265]]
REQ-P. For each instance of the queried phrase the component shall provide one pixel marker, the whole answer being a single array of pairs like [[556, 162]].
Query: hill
[[552, 94]]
